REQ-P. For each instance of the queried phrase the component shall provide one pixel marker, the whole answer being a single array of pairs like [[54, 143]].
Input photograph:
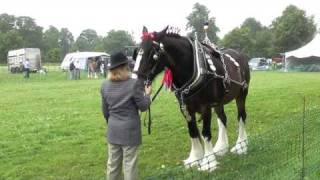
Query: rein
[[149, 110]]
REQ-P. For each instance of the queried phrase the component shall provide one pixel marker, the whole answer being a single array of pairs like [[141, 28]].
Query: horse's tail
[[246, 68]]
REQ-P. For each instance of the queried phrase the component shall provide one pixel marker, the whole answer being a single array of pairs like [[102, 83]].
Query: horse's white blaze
[[138, 60], [196, 152], [137, 64], [242, 141], [222, 144], [233, 60]]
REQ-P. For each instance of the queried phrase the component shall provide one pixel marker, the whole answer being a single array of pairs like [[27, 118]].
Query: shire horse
[[165, 50], [93, 67]]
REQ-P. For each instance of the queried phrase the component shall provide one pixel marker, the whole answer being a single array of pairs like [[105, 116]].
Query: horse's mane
[[173, 35], [173, 32]]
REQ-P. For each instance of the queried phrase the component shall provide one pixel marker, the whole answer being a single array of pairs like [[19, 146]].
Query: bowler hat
[[117, 59]]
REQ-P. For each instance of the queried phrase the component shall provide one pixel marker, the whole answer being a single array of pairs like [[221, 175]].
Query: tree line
[[287, 32], [23, 32]]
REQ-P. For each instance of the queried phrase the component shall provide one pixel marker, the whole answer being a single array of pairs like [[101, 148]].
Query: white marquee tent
[[82, 57], [310, 49], [308, 55]]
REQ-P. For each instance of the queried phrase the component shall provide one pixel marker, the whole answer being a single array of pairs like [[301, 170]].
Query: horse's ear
[[144, 30], [162, 33]]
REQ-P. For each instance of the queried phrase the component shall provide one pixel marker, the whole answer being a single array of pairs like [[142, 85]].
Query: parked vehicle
[[259, 64], [17, 57]]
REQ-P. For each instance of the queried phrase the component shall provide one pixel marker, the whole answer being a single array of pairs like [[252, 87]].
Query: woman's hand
[[148, 90]]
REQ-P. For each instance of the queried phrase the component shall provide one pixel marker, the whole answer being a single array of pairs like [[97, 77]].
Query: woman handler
[[122, 98]]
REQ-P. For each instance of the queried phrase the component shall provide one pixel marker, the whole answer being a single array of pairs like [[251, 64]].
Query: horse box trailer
[[18, 56]]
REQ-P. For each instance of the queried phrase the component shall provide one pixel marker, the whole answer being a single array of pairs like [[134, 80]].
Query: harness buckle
[[185, 91]]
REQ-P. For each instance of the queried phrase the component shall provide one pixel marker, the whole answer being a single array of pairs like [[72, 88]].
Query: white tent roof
[[82, 57], [310, 49]]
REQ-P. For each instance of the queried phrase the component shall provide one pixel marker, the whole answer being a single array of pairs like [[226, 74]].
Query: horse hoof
[[208, 166], [208, 163], [192, 161], [189, 163], [220, 151], [240, 148]]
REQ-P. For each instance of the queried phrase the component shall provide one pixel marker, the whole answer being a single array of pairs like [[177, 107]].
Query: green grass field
[[53, 128]]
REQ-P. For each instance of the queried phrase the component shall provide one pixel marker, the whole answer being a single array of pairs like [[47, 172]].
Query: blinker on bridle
[[158, 49]]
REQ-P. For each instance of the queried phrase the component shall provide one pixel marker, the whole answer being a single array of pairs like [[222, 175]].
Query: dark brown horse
[[221, 85], [94, 66]]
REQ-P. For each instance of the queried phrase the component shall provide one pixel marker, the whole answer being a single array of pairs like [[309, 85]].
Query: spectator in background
[[122, 98], [72, 70], [77, 69], [26, 68]]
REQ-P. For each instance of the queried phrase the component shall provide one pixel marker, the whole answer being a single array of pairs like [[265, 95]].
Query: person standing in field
[[77, 69], [26, 67], [122, 98], [72, 70]]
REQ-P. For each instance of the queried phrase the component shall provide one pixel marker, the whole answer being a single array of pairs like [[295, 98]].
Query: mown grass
[[52, 128]]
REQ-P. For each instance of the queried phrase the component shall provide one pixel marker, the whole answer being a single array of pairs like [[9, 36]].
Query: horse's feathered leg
[[222, 144], [242, 141], [89, 71], [209, 162], [196, 152], [206, 130]]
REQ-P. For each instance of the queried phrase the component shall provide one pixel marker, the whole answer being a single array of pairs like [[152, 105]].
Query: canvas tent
[[82, 57], [306, 58]]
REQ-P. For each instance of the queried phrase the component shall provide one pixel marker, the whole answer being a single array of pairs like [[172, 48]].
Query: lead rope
[[149, 111]]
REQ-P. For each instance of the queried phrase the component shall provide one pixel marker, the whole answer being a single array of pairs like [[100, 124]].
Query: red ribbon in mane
[[167, 79], [147, 35]]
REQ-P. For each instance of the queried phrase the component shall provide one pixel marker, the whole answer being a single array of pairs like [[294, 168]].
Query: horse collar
[[199, 71]]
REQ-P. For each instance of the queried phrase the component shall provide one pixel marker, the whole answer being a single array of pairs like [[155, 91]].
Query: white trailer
[[17, 57]]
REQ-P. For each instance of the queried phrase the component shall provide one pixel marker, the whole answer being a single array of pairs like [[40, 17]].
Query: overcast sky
[[131, 15]]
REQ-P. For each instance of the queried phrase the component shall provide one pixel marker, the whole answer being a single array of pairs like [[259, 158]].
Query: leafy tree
[[10, 38], [51, 44], [252, 24], [87, 40], [99, 46], [7, 23], [8, 41], [117, 40], [237, 39], [292, 29], [53, 55], [65, 42], [196, 20], [250, 38], [30, 31], [263, 46]]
